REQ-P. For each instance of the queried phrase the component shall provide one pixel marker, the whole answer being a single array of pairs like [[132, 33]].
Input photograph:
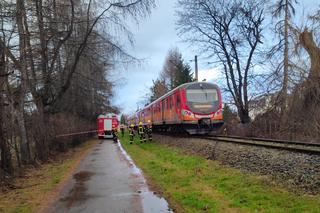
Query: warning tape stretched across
[[75, 133]]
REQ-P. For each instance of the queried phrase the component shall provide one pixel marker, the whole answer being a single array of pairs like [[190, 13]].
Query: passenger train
[[192, 107]]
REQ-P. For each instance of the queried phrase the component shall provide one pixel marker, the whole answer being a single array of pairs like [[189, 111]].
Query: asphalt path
[[107, 180]]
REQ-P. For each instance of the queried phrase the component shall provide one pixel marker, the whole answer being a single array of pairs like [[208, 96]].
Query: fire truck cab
[[106, 123]]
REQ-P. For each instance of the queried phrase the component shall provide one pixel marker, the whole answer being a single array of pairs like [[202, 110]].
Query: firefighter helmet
[[140, 123], [132, 125]]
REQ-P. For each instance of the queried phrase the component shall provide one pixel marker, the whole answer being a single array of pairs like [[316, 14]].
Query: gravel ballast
[[296, 171]]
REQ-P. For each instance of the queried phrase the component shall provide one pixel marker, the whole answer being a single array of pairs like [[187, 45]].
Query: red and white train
[[106, 123], [193, 107]]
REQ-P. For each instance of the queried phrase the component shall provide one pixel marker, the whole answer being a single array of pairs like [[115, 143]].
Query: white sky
[[153, 38]]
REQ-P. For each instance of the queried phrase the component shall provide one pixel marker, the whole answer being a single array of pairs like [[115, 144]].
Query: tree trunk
[[312, 93], [5, 160], [285, 81], [244, 115], [308, 43], [24, 144], [24, 151], [42, 148]]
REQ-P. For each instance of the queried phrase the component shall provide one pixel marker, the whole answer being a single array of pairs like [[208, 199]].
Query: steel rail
[[304, 147], [272, 140]]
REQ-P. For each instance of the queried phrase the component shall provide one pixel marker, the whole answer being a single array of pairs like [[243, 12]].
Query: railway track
[[295, 146]]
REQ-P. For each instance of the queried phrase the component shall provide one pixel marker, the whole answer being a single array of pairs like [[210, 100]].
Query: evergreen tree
[[182, 74], [175, 71], [123, 119]]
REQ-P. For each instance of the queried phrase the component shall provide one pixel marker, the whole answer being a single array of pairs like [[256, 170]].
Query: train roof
[[185, 85]]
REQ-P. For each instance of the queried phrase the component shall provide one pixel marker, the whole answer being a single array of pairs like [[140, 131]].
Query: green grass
[[35, 189], [194, 184]]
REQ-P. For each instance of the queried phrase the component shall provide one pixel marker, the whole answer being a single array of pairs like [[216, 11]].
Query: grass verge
[[193, 184], [39, 187]]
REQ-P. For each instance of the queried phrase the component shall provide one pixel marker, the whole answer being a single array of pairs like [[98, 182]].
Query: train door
[[169, 102], [162, 110], [152, 112], [166, 111], [172, 108], [178, 106], [158, 112]]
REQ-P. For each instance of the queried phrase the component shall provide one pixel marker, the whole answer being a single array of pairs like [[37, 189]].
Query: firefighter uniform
[[131, 133], [149, 131], [145, 133], [115, 134], [141, 132]]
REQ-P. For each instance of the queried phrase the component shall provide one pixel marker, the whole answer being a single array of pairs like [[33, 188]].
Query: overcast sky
[[153, 38]]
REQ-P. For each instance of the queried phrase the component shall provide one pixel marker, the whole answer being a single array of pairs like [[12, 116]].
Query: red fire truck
[[106, 123]]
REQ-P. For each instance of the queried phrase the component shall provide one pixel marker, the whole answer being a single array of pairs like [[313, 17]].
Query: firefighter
[[149, 131], [145, 133], [141, 132], [114, 134], [131, 133]]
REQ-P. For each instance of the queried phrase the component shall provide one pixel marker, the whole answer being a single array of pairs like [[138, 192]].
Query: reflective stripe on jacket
[[140, 130]]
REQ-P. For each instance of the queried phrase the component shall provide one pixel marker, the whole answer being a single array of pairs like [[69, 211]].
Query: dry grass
[[39, 187]]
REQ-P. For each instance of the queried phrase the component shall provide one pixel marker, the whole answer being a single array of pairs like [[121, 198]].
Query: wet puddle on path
[[78, 193], [151, 203]]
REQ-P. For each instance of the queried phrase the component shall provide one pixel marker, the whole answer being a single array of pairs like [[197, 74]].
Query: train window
[[202, 95]]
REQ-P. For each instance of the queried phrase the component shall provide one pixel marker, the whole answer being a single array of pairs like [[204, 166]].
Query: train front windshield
[[202, 95], [202, 98]]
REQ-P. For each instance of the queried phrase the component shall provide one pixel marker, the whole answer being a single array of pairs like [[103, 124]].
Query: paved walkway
[[108, 181]]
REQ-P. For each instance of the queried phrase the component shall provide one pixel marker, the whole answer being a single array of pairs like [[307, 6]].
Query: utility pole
[[196, 67]]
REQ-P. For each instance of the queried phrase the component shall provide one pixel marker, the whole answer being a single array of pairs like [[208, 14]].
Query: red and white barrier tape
[[75, 133]]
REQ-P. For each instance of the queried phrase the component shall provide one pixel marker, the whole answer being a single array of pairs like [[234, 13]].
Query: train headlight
[[219, 112], [218, 115], [186, 112]]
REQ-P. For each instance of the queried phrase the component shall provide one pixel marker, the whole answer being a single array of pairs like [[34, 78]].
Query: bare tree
[[59, 54], [61, 33], [285, 8], [158, 89], [305, 93], [312, 84], [229, 32]]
